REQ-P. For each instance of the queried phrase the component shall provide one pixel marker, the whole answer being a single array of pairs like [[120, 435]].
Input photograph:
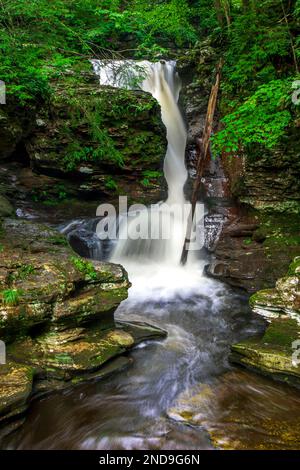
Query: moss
[[281, 333], [278, 232], [112, 138], [290, 207], [58, 240], [11, 296], [63, 358], [294, 267], [85, 267], [282, 240], [22, 273], [262, 297]]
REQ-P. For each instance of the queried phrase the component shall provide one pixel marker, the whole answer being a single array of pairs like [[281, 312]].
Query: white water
[[154, 264]]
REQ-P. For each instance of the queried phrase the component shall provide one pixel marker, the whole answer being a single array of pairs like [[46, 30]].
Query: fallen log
[[203, 155]]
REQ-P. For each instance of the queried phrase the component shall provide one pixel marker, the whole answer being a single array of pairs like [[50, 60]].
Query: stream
[[136, 408], [129, 410]]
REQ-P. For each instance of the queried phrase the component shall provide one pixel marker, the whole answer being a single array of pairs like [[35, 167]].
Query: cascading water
[[161, 254]]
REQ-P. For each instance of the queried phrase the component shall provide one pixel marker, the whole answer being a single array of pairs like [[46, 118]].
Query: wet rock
[[242, 411], [15, 388], [57, 317], [51, 384], [142, 331], [253, 251], [275, 354], [76, 155], [122, 156], [283, 299], [265, 187], [66, 354]]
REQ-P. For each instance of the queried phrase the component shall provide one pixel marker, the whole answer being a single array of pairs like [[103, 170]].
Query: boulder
[[100, 140], [43, 281]]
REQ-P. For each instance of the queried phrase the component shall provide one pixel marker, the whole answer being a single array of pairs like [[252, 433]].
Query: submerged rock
[[242, 411]]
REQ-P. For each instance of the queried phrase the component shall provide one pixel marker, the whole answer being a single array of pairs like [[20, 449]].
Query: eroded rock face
[[275, 354], [270, 179], [254, 250], [284, 299]]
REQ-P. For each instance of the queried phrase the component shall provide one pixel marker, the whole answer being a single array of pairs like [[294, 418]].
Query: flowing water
[[202, 318]]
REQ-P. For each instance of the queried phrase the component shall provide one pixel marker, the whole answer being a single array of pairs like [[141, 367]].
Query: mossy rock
[[272, 354], [284, 299], [6, 208], [42, 281], [65, 354]]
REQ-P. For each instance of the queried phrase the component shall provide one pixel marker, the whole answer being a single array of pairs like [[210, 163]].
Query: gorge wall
[[253, 201]]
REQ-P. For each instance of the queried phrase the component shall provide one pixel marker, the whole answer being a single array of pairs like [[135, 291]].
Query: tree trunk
[[219, 12], [291, 37]]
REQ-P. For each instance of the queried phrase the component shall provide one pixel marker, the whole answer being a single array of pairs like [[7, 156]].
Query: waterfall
[[160, 254]]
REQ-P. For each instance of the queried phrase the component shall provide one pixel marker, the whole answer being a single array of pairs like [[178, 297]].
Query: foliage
[[111, 184], [261, 119], [11, 296], [84, 267], [39, 39], [259, 40], [51, 195], [24, 271], [149, 176], [105, 151]]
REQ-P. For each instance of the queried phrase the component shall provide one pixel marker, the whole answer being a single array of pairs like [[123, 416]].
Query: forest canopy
[[259, 41]]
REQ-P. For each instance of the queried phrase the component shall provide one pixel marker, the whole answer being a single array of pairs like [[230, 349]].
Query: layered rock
[[57, 316], [276, 354], [255, 249], [93, 141]]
